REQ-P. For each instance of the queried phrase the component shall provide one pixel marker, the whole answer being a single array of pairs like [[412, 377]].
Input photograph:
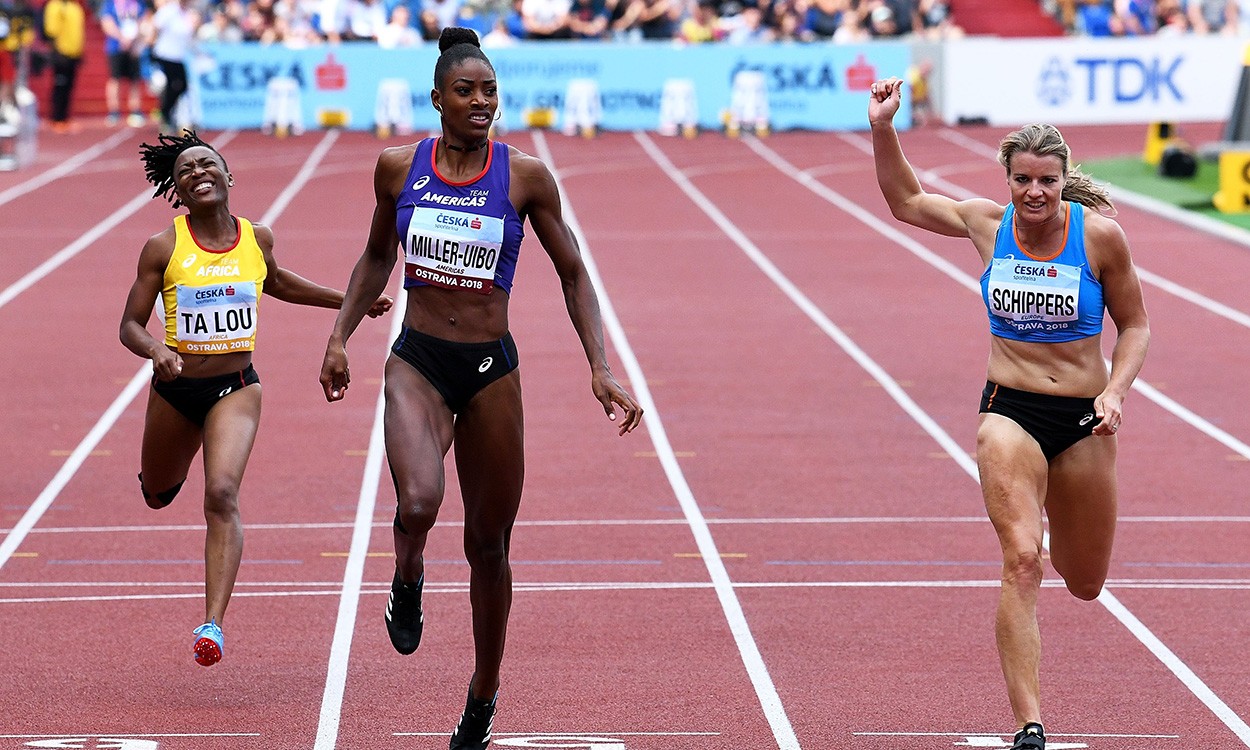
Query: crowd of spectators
[[406, 23], [1103, 18]]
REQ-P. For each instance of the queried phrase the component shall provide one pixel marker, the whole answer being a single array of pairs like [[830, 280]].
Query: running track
[[792, 553]]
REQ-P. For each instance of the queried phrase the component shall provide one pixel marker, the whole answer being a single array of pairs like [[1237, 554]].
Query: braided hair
[[158, 161], [455, 45]]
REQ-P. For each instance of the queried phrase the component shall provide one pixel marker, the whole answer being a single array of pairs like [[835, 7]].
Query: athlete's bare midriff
[[1068, 368], [457, 315]]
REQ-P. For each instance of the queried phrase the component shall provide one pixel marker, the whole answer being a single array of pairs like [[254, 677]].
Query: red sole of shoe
[[206, 652]]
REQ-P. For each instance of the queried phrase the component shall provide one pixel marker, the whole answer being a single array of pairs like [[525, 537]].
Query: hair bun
[[453, 35]]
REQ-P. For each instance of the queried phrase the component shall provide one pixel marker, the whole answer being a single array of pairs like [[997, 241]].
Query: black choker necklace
[[466, 149]]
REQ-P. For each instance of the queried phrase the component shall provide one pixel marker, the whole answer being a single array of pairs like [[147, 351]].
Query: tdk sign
[[1124, 80]]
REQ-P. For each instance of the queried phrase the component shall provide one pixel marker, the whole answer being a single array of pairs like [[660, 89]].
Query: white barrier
[[679, 107], [393, 110], [748, 103], [583, 109], [282, 107]]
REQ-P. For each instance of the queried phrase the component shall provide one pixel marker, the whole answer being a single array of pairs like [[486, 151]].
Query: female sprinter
[[209, 269], [1050, 410], [456, 204]]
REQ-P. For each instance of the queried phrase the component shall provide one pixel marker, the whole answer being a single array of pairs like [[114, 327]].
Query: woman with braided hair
[[209, 270], [456, 205], [1050, 411]]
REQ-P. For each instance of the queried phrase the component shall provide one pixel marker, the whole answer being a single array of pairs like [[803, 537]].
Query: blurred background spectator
[[398, 31], [588, 19], [546, 19], [121, 21], [65, 24]]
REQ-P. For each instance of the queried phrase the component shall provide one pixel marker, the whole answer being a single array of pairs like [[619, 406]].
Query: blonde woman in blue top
[[1050, 410]]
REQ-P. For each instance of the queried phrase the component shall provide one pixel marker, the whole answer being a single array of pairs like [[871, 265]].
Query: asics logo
[[190, 261], [420, 183], [225, 393], [486, 363], [1086, 419]]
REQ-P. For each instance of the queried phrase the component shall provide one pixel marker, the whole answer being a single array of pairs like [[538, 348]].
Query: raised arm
[[907, 200], [149, 279], [369, 277], [541, 205]]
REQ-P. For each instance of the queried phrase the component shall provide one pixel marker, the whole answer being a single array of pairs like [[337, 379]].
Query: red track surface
[[853, 542]]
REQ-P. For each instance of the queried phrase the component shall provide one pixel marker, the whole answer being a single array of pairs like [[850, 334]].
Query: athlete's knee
[[1086, 586], [416, 506], [487, 552], [415, 517], [158, 500], [1022, 566], [221, 497]]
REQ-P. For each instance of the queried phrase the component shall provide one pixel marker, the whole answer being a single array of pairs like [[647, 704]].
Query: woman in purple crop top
[[453, 376], [1050, 411]]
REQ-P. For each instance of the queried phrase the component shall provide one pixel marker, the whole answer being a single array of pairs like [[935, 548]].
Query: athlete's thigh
[[170, 442], [1013, 479], [1081, 507], [418, 430], [490, 454], [229, 433]]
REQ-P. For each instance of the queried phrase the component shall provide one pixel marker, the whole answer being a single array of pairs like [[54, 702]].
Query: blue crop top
[[458, 235], [1047, 300]]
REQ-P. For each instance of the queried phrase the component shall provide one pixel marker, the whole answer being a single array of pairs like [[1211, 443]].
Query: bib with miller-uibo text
[[453, 249]]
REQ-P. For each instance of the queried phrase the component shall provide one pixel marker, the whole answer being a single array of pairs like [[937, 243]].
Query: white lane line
[[137, 382], [752, 659], [354, 571], [1186, 675], [831, 520], [195, 591], [75, 460], [126, 734], [64, 168]]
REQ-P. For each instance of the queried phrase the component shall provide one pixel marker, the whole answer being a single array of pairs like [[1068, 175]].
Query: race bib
[[453, 249], [217, 319], [1034, 296]]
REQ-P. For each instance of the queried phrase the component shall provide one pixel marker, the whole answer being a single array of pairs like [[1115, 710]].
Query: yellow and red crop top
[[211, 296]]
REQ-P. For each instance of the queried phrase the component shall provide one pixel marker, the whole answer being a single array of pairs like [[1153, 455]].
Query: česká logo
[[486, 363], [421, 182], [1086, 419]]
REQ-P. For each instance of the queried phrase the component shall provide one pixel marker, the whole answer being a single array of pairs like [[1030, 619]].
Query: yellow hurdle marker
[[1233, 196], [1159, 135]]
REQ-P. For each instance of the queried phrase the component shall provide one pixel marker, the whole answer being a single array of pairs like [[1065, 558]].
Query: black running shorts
[[459, 371], [195, 397], [1055, 422]]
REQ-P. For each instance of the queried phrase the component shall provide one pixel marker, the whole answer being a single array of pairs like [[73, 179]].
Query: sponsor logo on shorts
[[486, 363], [226, 392], [1087, 419]]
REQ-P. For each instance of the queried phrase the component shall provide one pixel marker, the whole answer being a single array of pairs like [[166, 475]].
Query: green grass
[[1194, 194]]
